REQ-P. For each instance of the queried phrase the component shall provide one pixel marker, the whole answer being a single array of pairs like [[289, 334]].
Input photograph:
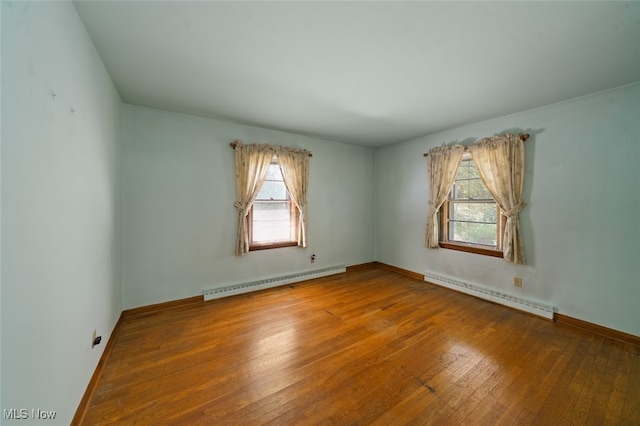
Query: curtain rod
[[523, 137], [233, 145]]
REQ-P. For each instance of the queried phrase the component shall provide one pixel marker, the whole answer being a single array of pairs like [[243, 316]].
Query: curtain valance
[[274, 148]]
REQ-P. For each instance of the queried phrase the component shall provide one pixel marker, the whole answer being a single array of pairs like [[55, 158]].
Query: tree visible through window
[[272, 219], [470, 216]]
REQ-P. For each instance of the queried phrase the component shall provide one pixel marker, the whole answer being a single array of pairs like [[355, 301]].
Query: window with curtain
[[475, 199], [273, 221], [271, 196]]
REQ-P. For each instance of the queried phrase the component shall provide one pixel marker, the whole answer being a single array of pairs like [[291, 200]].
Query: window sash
[[448, 218], [291, 220]]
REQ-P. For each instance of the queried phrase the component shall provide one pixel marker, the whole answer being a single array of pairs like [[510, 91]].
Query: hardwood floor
[[365, 347]]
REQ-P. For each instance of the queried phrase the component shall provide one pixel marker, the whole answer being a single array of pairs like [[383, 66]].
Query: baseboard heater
[[491, 295], [246, 287]]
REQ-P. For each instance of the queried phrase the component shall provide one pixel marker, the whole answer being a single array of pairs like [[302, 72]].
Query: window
[[470, 219], [273, 219]]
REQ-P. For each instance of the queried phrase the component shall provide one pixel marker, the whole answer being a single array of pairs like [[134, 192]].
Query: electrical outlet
[[313, 258], [93, 338], [517, 281]]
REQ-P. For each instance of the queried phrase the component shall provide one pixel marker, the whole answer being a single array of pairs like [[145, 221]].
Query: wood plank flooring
[[365, 347]]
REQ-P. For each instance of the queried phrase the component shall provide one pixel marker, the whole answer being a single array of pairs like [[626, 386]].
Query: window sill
[[472, 249], [268, 246]]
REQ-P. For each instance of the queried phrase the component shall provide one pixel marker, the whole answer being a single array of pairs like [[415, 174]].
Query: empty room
[[320, 213]]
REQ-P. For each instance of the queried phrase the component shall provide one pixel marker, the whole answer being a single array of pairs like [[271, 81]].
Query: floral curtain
[[252, 164], [294, 165], [443, 167], [500, 161]]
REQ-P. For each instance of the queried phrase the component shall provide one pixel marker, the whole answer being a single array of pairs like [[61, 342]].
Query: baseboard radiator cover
[[246, 287], [525, 305]]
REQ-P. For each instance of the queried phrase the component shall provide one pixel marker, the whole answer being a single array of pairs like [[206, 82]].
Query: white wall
[[180, 222], [580, 227], [61, 208], [1, 83]]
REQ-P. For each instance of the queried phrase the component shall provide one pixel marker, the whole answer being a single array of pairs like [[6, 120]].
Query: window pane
[[474, 233], [271, 221], [475, 212], [472, 189], [270, 210], [467, 170], [274, 172], [272, 191], [469, 220]]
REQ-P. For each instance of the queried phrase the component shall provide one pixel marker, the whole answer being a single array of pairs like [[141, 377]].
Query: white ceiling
[[368, 73]]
